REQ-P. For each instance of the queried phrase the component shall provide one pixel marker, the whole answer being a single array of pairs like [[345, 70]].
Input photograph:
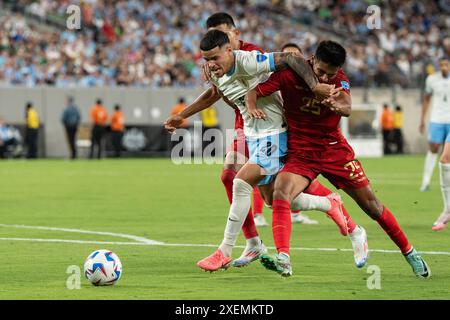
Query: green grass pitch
[[186, 204]]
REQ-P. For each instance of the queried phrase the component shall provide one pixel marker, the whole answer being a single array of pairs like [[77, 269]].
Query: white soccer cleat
[[260, 221], [249, 255], [441, 222], [360, 246], [302, 218]]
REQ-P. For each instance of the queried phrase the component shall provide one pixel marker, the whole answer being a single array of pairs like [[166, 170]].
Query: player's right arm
[[425, 104], [205, 100], [273, 84]]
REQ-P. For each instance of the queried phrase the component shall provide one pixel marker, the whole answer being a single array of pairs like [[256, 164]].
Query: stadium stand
[[154, 43]]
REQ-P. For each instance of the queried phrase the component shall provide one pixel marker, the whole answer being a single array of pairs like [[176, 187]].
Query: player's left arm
[[302, 68]]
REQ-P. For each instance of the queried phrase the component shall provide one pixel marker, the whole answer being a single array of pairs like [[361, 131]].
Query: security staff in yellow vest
[[31, 133], [398, 127], [209, 121]]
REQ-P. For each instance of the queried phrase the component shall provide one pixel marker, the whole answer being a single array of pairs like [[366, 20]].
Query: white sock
[[306, 201], [430, 162], [242, 198], [284, 255], [356, 232], [253, 242], [444, 172]]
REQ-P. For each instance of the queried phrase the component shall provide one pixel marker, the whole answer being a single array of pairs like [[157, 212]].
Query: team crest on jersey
[[345, 85], [261, 58]]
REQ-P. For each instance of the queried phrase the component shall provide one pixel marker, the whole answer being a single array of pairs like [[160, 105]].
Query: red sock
[[248, 228], [390, 226], [317, 189], [281, 225], [258, 201], [227, 178]]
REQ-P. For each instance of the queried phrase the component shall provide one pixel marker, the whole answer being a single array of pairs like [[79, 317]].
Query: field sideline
[[186, 205]]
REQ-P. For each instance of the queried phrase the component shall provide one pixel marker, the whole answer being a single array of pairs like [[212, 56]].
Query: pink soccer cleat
[[441, 222], [336, 213], [215, 262]]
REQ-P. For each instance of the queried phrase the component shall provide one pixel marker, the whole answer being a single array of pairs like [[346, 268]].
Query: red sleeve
[[341, 81], [273, 84], [247, 46]]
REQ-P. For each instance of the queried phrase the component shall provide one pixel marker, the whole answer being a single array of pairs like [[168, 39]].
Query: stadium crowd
[[155, 43]]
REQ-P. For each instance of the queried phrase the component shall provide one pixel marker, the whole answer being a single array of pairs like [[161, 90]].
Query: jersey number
[[310, 105], [354, 168]]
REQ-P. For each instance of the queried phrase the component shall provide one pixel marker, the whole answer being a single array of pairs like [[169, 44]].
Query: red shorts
[[337, 163], [239, 144]]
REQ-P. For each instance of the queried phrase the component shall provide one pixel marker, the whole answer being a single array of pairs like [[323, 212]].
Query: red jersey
[[312, 126], [238, 121]]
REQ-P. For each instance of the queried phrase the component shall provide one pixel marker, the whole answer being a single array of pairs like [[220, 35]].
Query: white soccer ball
[[103, 268]]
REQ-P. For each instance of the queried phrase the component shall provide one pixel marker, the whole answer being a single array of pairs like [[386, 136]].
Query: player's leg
[[287, 186], [444, 173], [316, 188], [234, 161], [436, 134], [243, 184], [258, 205], [368, 202]]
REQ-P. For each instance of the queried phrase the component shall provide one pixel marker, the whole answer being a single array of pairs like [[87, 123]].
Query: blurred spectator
[[177, 109], [397, 138], [155, 43], [32, 129], [71, 119], [387, 126], [117, 128], [99, 117]]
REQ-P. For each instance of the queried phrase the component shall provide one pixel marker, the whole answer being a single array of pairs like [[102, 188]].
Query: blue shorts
[[269, 153], [439, 132]]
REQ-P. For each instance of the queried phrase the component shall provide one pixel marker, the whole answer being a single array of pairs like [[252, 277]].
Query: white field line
[[148, 242], [120, 235], [198, 245]]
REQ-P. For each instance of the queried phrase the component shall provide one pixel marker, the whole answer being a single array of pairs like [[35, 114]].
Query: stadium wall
[[153, 106]]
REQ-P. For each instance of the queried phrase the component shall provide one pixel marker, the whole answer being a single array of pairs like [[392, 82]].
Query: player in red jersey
[[317, 146], [238, 153]]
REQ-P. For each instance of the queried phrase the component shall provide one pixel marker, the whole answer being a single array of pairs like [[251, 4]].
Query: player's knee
[[434, 148], [281, 194], [373, 208], [445, 159], [227, 176], [241, 188]]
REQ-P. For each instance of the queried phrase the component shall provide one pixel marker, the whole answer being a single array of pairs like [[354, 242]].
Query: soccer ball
[[103, 268]]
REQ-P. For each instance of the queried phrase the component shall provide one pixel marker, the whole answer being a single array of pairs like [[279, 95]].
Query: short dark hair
[[29, 105], [99, 101], [117, 107], [212, 39], [444, 57], [219, 18], [181, 100], [291, 45], [331, 53]]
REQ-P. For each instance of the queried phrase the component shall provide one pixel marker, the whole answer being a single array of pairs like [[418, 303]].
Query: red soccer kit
[[315, 142], [239, 144]]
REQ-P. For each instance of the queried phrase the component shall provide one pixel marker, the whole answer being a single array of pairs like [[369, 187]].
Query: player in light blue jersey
[[437, 95], [438, 87], [234, 73]]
